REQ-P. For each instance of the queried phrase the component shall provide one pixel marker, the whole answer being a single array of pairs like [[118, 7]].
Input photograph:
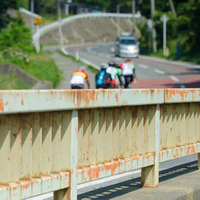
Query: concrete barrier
[[8, 69], [52, 140]]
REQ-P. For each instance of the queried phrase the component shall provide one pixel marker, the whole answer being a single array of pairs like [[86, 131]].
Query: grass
[[41, 66], [8, 82]]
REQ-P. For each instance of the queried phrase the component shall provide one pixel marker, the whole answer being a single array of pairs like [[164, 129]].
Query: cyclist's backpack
[[100, 80]]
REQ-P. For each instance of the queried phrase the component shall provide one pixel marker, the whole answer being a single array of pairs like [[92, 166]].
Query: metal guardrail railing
[[27, 12], [55, 25], [52, 140]]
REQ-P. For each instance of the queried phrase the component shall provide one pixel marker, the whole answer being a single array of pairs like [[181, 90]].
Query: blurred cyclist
[[128, 71], [78, 78], [112, 70], [120, 77], [103, 79]]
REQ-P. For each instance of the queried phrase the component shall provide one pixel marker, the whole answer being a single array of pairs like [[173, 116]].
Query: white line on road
[[159, 71], [107, 56], [112, 49], [143, 66], [178, 81], [89, 50]]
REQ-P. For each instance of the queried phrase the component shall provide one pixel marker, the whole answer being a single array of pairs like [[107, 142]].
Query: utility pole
[[32, 11], [172, 8], [60, 25], [67, 3], [118, 21], [153, 27], [164, 19], [133, 12]]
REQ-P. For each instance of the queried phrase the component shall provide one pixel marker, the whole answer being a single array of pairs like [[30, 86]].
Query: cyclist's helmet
[[128, 60], [103, 66], [112, 63]]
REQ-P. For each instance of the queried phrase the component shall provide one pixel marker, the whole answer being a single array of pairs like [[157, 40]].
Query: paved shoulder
[[67, 66]]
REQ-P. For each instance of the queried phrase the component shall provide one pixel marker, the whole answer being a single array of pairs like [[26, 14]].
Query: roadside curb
[[64, 51]]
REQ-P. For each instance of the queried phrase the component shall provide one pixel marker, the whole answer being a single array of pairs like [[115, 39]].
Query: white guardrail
[[55, 25]]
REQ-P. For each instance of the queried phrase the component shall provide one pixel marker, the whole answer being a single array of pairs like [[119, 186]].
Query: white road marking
[[178, 81], [112, 49], [107, 56], [143, 66], [159, 71], [100, 54], [89, 50]]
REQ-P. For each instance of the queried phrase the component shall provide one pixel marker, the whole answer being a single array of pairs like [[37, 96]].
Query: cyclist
[[78, 78], [103, 79], [112, 70], [128, 71], [120, 77]]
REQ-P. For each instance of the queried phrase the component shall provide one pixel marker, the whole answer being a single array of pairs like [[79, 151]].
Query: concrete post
[[150, 174], [133, 12], [118, 21], [71, 192]]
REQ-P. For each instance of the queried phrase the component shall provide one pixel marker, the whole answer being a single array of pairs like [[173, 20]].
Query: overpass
[[52, 140]]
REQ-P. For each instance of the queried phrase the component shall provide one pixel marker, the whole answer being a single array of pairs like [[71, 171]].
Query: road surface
[[151, 72]]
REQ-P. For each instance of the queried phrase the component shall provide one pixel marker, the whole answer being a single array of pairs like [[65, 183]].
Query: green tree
[[4, 17], [17, 35]]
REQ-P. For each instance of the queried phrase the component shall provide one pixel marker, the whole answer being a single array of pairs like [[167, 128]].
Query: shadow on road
[[122, 188]]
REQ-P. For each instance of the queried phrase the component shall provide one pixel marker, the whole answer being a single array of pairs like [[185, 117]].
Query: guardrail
[[55, 25], [52, 140]]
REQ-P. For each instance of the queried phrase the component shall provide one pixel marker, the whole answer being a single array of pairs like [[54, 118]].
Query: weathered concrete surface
[[178, 183], [91, 30], [8, 69]]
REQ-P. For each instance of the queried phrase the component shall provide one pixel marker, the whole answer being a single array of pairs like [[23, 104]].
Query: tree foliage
[[17, 35], [4, 17]]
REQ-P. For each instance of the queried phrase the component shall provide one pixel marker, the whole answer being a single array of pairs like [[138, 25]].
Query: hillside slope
[[91, 30]]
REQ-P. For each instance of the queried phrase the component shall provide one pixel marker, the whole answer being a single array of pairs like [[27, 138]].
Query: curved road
[[151, 72]]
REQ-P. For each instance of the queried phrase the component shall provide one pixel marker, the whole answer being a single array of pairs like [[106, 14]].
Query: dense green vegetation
[[16, 47], [183, 29]]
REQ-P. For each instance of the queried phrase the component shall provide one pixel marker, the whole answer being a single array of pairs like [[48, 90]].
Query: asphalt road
[[151, 72]]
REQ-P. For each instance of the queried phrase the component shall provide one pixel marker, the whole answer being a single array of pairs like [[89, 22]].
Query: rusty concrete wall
[[51, 141], [115, 133]]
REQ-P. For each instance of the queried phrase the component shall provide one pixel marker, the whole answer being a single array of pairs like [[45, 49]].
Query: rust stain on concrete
[[1, 105]]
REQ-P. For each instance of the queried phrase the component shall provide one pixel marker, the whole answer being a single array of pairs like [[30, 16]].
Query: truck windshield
[[127, 41]]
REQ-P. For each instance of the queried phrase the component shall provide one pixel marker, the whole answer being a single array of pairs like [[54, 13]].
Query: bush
[[16, 36], [16, 47]]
